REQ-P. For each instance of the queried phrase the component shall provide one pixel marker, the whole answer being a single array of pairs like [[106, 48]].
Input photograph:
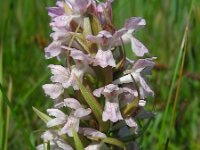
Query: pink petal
[[98, 92], [72, 121], [145, 64], [134, 23], [137, 47], [111, 112], [53, 50], [104, 59], [110, 88], [55, 11]]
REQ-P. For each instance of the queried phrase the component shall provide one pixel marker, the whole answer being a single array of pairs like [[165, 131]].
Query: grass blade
[[8, 115], [177, 90], [14, 115], [1, 97], [174, 78]]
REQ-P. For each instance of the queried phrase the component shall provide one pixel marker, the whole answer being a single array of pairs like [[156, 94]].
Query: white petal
[[64, 146], [142, 103], [71, 121], [94, 146], [81, 112], [92, 133], [60, 73], [56, 113], [72, 103], [126, 79], [53, 90], [47, 136], [55, 122]]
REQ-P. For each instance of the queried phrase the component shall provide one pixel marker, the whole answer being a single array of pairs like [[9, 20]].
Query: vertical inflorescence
[[98, 92]]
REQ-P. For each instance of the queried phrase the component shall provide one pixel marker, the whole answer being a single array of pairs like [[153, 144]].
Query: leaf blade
[[41, 115], [77, 141], [94, 105], [115, 142]]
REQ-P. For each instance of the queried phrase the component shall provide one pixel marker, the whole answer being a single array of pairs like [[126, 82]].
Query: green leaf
[[94, 105], [77, 141], [95, 24], [87, 26], [115, 142], [1, 98], [42, 115], [128, 109]]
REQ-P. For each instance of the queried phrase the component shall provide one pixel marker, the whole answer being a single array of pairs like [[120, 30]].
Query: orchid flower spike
[[99, 93]]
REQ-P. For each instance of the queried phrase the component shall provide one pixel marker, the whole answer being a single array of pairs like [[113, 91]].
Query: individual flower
[[78, 70], [94, 135], [131, 25], [105, 41], [111, 109], [104, 12], [77, 112], [56, 142], [136, 74]]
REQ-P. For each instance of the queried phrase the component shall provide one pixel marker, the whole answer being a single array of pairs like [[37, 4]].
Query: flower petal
[[53, 90], [94, 146], [134, 23], [143, 64], [72, 103], [56, 113], [137, 47], [81, 112], [110, 88], [55, 11], [60, 73], [53, 50], [72, 121], [47, 136], [131, 123], [92, 133], [142, 103], [104, 59], [55, 122], [98, 92], [63, 145], [111, 112]]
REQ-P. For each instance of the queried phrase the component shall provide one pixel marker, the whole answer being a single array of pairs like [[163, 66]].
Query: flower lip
[[111, 88]]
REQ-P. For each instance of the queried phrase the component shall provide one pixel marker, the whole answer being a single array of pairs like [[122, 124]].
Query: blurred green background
[[24, 32]]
